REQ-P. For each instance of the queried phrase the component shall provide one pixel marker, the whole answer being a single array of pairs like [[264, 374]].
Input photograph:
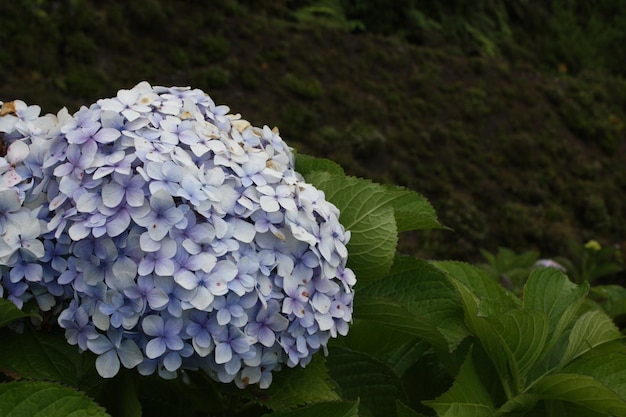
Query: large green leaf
[[549, 290], [467, 397], [325, 409], [396, 348], [9, 312], [406, 355], [41, 355], [395, 315], [363, 377], [480, 284], [592, 329], [517, 404], [608, 368], [412, 210], [514, 338], [582, 390], [612, 298], [525, 333], [426, 292], [45, 399], [294, 387], [481, 327], [305, 164], [367, 213]]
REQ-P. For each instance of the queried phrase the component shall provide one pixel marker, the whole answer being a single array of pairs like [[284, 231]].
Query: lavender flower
[[170, 235]]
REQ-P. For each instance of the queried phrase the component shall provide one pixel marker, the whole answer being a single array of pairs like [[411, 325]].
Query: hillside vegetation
[[509, 116]]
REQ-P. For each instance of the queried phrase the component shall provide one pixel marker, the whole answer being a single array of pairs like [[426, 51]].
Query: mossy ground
[[508, 154]]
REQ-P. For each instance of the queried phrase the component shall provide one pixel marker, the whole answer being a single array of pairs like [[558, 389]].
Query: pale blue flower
[[92, 133], [112, 350], [162, 217], [120, 311], [199, 330], [191, 190], [229, 342], [149, 295], [24, 269], [161, 262], [295, 348], [165, 333], [78, 328], [16, 292], [78, 159], [124, 187], [25, 237], [177, 237], [164, 175], [177, 295], [267, 322], [273, 198], [9, 204], [230, 310]]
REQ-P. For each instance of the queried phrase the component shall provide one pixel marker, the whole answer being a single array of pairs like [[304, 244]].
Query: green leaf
[[404, 410], [412, 210], [426, 292], [525, 333], [582, 390], [517, 404], [592, 329], [9, 312], [293, 387], [360, 376], [406, 355], [45, 399], [467, 397], [395, 315], [366, 212], [305, 164], [480, 284], [40, 355], [608, 368], [483, 300], [549, 290], [612, 298], [384, 343], [326, 409]]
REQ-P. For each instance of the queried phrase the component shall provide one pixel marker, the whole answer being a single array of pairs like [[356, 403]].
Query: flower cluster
[[170, 234]]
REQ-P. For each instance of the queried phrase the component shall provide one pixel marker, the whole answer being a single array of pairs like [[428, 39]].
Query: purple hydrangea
[[168, 234]]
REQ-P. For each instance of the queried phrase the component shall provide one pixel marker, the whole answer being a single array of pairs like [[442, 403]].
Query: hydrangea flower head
[[169, 234]]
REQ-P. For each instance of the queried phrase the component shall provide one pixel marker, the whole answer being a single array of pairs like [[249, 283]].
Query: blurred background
[[507, 115]]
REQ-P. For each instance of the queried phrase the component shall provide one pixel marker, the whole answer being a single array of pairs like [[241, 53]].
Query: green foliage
[[374, 214], [467, 396], [508, 267], [535, 348], [38, 355], [309, 89], [359, 376], [329, 13], [215, 47], [592, 261], [612, 299], [45, 399], [9, 313], [300, 386]]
